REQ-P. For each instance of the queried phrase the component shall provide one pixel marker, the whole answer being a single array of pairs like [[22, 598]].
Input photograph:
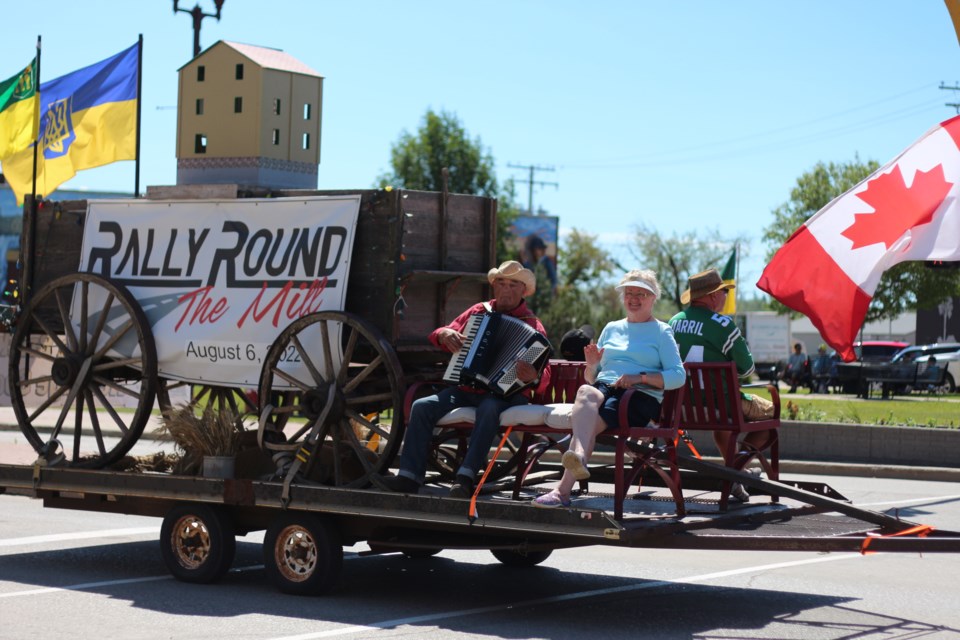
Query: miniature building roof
[[265, 57]]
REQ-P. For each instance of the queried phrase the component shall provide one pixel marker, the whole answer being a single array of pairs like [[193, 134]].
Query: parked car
[[947, 355], [871, 352]]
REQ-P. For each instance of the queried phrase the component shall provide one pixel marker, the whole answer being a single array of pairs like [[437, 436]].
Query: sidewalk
[[815, 440]]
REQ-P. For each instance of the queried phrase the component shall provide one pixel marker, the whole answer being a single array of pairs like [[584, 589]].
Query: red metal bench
[[545, 425], [712, 403]]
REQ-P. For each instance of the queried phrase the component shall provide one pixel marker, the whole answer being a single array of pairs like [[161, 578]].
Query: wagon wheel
[[448, 448], [106, 360], [346, 413], [201, 396]]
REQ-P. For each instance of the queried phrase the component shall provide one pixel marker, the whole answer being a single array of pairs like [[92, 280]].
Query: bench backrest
[[712, 398], [565, 378]]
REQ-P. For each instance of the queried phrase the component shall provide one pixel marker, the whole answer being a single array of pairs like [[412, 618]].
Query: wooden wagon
[[418, 259]]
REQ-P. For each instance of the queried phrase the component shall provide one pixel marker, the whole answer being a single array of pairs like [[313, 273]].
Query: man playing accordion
[[511, 283]]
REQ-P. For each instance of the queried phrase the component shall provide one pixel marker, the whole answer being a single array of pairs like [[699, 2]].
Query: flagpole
[[36, 141], [136, 179], [31, 236], [736, 289]]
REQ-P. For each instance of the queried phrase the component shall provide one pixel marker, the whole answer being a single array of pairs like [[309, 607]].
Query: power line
[[530, 181]]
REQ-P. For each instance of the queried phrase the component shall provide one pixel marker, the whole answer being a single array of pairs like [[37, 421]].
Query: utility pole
[[198, 15], [530, 181], [955, 105]]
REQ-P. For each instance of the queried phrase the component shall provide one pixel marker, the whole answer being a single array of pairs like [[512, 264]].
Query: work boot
[[462, 487], [400, 484]]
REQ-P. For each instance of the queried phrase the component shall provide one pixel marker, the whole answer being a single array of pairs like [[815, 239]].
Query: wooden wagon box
[[419, 258]]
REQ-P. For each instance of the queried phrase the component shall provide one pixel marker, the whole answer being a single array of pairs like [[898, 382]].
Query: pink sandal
[[551, 500]]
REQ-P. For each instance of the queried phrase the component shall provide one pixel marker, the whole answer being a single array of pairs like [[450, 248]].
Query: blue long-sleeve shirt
[[630, 348]]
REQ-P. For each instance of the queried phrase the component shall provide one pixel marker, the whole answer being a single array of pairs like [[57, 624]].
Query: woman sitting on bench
[[638, 351]]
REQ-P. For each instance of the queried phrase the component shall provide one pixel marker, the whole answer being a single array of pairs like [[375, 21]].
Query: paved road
[[83, 575]]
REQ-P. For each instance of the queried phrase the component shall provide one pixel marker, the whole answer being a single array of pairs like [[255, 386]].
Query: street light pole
[[198, 16]]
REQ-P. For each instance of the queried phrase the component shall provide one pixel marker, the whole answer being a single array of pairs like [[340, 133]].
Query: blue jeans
[[426, 412]]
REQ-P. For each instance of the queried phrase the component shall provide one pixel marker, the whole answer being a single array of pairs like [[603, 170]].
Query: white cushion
[[528, 414], [460, 414], [559, 416]]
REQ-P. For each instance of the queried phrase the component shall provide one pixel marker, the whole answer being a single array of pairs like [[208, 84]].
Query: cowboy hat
[[513, 270], [703, 284]]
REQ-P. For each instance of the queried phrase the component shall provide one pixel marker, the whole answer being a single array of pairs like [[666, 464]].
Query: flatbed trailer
[[307, 526]]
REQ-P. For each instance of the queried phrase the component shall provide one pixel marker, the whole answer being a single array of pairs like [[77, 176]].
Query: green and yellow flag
[[18, 111], [729, 275]]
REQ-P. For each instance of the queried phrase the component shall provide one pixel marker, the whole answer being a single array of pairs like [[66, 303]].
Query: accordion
[[494, 342]]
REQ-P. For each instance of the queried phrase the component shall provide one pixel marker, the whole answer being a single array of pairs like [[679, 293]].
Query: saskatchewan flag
[[88, 118], [18, 111], [729, 276]]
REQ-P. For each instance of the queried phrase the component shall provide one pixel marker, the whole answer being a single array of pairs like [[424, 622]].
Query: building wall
[[940, 324], [903, 327], [229, 134]]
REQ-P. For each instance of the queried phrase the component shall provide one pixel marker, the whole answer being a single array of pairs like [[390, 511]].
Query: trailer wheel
[[302, 554], [197, 543], [513, 558], [421, 554], [331, 391], [85, 368]]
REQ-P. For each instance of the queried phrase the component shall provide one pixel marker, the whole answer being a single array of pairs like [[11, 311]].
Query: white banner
[[219, 280]]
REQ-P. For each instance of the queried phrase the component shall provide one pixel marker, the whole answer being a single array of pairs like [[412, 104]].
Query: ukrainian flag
[[18, 111], [88, 119]]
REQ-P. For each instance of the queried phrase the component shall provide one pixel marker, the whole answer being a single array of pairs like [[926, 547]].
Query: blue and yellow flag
[[729, 276], [88, 119], [18, 111]]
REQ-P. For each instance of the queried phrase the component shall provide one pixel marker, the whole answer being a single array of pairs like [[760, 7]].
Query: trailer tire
[[303, 554], [197, 543], [514, 558], [421, 554]]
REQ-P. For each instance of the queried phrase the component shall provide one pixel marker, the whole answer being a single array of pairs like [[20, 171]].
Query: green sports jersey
[[705, 336]]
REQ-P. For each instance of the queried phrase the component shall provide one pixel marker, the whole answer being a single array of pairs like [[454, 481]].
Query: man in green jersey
[[705, 335]]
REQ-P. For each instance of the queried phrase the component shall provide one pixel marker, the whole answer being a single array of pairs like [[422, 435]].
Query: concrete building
[[902, 328], [250, 116]]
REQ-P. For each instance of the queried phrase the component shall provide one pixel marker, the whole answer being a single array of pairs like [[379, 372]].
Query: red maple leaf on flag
[[897, 208]]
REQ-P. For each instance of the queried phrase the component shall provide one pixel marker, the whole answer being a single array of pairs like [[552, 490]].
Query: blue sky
[[676, 114]]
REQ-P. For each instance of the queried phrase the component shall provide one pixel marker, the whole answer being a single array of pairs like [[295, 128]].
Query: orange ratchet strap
[[921, 531], [473, 500]]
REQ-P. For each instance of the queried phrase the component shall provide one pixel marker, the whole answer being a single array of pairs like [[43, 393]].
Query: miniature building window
[[306, 110], [276, 106], [201, 73], [306, 141], [238, 105], [199, 106], [200, 143], [275, 136], [240, 71]]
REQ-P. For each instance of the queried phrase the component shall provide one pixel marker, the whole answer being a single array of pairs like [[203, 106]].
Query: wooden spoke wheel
[[73, 384], [331, 386], [448, 448], [202, 396]]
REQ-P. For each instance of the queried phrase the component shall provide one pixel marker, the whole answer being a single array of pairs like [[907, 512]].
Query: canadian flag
[[909, 209]]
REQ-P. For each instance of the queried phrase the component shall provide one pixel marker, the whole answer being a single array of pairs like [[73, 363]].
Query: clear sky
[[677, 114]]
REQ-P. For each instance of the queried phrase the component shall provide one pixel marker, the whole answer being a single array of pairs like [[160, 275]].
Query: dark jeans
[[425, 414]]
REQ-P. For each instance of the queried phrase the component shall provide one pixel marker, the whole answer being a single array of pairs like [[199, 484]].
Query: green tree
[[905, 286], [676, 257], [418, 161], [584, 292]]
